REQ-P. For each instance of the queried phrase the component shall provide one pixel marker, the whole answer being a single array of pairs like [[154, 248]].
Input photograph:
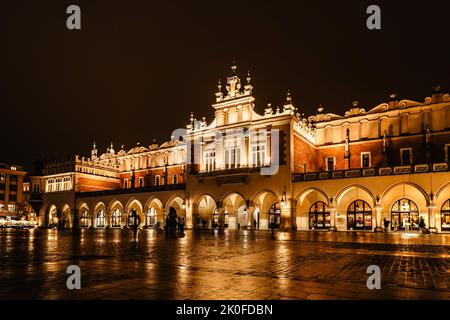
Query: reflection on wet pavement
[[222, 265]]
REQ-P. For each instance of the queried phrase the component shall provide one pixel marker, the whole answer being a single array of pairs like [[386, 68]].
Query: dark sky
[[138, 68]]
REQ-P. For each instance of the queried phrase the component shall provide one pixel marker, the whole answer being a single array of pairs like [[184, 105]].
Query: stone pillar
[[378, 218], [432, 219], [333, 218], [189, 219], [268, 145], [286, 216]]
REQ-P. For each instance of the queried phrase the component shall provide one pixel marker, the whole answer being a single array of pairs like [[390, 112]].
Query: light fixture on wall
[[283, 201]]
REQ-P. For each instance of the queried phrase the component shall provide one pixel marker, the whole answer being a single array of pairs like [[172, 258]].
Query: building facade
[[387, 166], [12, 201]]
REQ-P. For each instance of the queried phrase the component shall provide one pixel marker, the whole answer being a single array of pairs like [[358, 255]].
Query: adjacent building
[[370, 169], [12, 202]]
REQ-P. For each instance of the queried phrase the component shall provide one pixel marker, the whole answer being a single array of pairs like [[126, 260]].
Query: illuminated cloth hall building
[[279, 169]]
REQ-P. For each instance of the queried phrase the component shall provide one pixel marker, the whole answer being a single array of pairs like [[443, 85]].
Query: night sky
[[137, 69]]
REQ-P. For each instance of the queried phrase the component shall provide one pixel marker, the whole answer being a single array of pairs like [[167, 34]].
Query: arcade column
[[378, 217], [333, 218], [432, 218]]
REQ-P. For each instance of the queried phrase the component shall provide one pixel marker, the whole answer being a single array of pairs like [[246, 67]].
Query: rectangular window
[[232, 154], [11, 207], [125, 184], [2, 207], [175, 179], [141, 182], [406, 156], [2, 197], [157, 180], [330, 164], [258, 150], [365, 160], [13, 197], [2, 177], [210, 160]]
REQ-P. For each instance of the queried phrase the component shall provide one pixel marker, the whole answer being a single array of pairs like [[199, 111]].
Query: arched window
[[319, 216], [150, 217], [101, 219], [84, 223], [116, 219], [133, 218], [445, 216], [359, 216], [405, 215], [275, 216]]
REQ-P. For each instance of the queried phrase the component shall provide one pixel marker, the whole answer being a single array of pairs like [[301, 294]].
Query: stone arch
[[52, 216], [441, 217], [304, 201], [176, 202], [348, 195], [405, 190], [155, 204], [204, 207], [443, 191], [261, 203], [134, 206], [97, 215], [235, 205], [116, 207], [66, 217]]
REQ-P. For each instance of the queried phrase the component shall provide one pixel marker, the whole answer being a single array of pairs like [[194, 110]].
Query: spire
[[233, 68], [111, 148], [288, 107], [94, 152]]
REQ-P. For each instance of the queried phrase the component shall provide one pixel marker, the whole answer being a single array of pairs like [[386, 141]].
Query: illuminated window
[[210, 160], [133, 218], [101, 219], [13, 168], [150, 217], [359, 216], [258, 148], [84, 223], [2, 207], [116, 218], [445, 216], [232, 154], [405, 215], [11, 207], [275, 216], [319, 216]]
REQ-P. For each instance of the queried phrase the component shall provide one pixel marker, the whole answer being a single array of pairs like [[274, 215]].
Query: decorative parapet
[[421, 168], [371, 172], [402, 170], [440, 167], [385, 171]]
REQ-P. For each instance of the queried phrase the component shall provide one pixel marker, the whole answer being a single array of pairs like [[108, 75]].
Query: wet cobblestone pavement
[[222, 265]]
